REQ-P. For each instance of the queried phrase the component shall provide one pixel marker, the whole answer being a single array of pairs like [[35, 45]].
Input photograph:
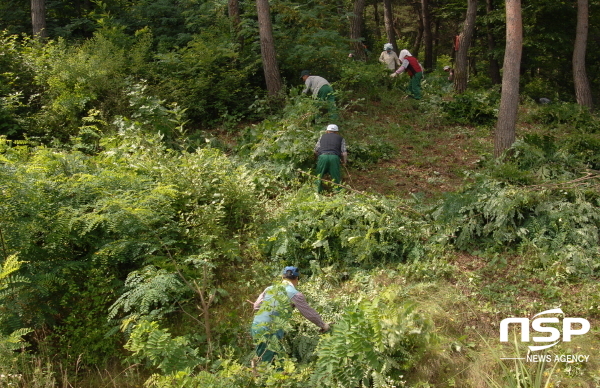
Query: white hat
[[446, 67], [332, 127]]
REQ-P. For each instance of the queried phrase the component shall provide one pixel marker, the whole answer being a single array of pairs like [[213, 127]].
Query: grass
[[430, 156]]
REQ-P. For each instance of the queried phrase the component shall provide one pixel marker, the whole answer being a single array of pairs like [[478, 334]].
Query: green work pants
[[325, 93], [265, 352], [414, 86], [328, 164]]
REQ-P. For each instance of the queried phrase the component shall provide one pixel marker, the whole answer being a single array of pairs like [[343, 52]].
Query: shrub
[[206, 79], [83, 223], [344, 230], [571, 114], [372, 345], [558, 224], [473, 107]]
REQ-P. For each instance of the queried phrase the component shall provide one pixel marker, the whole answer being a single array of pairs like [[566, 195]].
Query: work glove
[[325, 329], [393, 75]]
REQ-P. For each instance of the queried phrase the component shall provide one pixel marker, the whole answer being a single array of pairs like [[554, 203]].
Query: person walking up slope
[[414, 69]]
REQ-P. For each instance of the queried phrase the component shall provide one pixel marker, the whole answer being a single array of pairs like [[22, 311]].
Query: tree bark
[[419, 37], [356, 21], [461, 69], [267, 48], [509, 101], [38, 18], [377, 20], [233, 7], [388, 17], [494, 66], [580, 78], [427, 37]]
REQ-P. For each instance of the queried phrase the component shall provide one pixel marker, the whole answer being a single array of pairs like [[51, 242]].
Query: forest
[[157, 173]]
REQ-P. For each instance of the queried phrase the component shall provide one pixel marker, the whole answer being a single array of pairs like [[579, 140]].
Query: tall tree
[[267, 48], [233, 8], [494, 66], [509, 101], [427, 36], [461, 68], [356, 21], [419, 36], [377, 21], [580, 78], [38, 18], [388, 17]]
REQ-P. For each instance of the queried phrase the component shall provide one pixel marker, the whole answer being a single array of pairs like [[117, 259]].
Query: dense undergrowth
[[131, 243]]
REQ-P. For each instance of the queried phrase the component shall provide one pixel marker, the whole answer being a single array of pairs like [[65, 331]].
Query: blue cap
[[290, 272]]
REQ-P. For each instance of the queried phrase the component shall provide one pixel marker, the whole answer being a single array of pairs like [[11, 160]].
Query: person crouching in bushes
[[275, 304]]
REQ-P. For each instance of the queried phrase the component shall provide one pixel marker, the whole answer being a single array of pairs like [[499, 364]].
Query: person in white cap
[[330, 151], [450, 72], [389, 58], [414, 69]]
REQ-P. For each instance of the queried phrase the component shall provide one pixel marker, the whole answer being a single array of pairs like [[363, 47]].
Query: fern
[[373, 343], [151, 293], [157, 346]]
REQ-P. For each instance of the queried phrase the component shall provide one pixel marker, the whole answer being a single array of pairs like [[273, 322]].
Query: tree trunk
[[436, 39], [419, 38], [580, 78], [267, 48], [388, 17], [427, 37], [233, 6], [509, 101], [377, 20], [356, 21], [38, 18], [494, 66], [461, 69]]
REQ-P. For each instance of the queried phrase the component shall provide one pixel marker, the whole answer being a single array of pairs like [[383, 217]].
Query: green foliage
[[282, 144], [74, 80], [586, 148], [473, 107], [344, 229], [156, 346], [206, 79], [375, 342], [310, 33], [16, 83], [537, 88], [13, 342], [565, 113], [150, 294], [135, 204], [364, 153], [558, 225], [364, 79]]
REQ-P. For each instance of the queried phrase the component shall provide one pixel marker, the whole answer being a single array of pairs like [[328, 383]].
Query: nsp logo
[[537, 324]]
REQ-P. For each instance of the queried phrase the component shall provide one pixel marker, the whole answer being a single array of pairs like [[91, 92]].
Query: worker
[[275, 303]]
